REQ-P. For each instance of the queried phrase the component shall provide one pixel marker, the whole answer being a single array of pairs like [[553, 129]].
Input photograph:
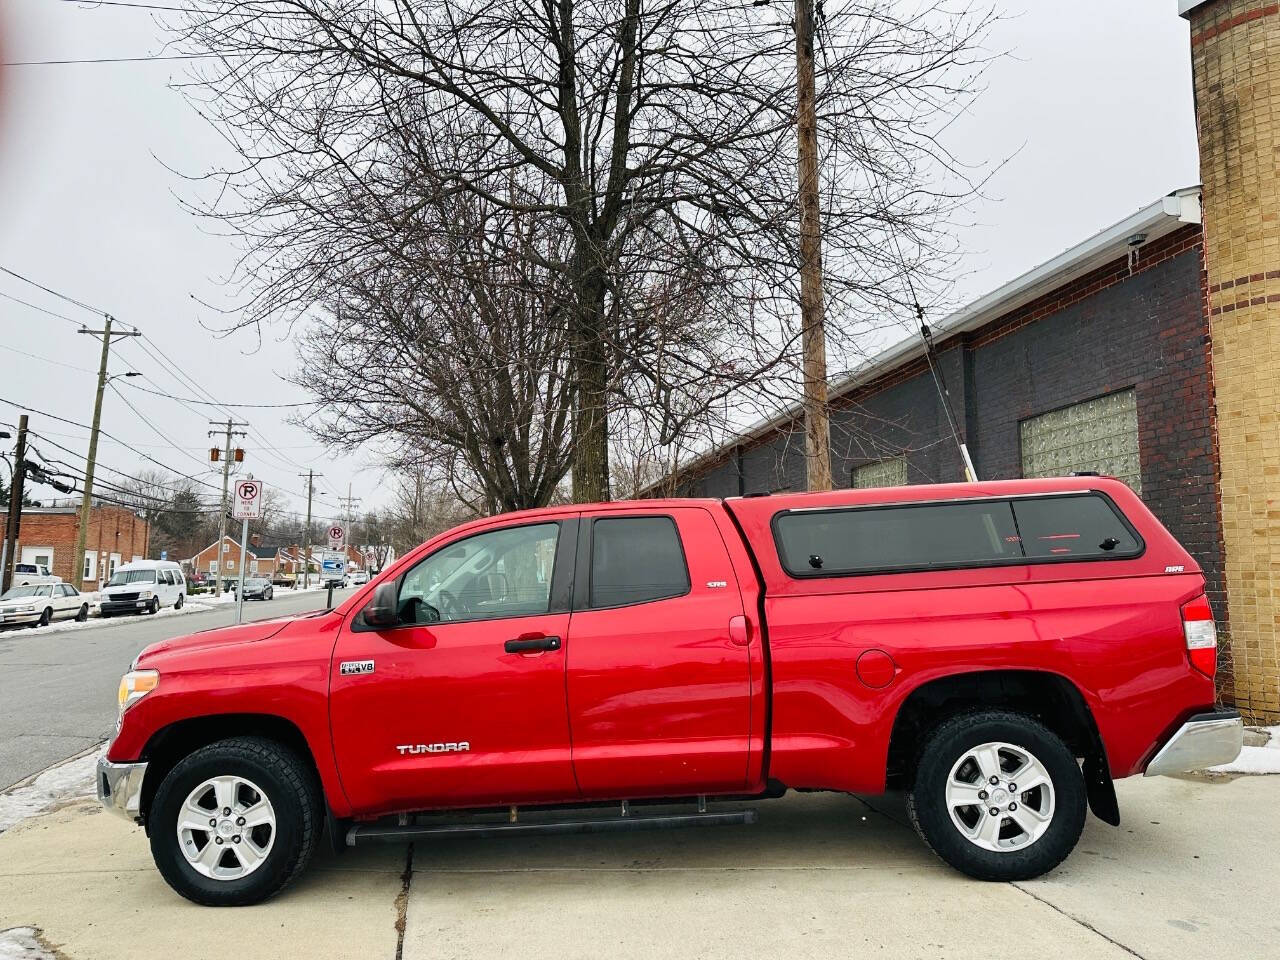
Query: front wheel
[[46, 617], [235, 822], [177, 605], [154, 606], [83, 613], [266, 594], [998, 796]]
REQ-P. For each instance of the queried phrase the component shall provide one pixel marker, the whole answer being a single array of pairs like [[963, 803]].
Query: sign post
[[246, 506]]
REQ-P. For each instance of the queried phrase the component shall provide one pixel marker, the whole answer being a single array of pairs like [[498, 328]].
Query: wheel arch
[[170, 744], [1049, 697]]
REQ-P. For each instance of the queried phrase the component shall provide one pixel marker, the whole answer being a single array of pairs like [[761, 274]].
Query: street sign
[[247, 503], [337, 537], [164, 554]]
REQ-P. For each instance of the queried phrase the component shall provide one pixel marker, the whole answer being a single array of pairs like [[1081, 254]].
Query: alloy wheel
[[226, 828], [1000, 797]]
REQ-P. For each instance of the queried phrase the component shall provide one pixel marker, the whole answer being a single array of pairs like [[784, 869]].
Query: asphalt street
[[58, 690]]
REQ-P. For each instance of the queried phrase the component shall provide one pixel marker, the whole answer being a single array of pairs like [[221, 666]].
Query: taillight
[[1201, 634]]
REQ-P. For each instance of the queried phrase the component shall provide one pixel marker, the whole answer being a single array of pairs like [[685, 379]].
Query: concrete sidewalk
[[1191, 874]]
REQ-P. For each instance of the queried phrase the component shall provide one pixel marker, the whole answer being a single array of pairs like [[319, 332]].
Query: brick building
[[1098, 359], [261, 561], [116, 535], [1236, 74]]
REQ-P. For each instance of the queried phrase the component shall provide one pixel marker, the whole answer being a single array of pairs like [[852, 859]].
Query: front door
[[463, 703], [659, 680]]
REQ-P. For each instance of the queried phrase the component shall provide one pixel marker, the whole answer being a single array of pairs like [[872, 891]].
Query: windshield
[[121, 577], [255, 582], [17, 592]]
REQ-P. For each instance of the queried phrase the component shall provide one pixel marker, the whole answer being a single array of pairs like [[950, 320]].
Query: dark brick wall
[[1108, 331]]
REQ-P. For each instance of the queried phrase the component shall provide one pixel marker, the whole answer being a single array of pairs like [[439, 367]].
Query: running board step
[[373, 833]]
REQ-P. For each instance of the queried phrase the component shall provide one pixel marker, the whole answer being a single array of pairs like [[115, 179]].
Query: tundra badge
[[349, 667], [462, 746]]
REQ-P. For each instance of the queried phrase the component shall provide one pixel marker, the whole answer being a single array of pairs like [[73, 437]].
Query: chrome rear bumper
[[120, 787], [1206, 740]]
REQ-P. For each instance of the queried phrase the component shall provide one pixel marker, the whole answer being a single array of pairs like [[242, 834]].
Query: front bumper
[[1205, 740], [10, 616], [120, 788], [123, 606]]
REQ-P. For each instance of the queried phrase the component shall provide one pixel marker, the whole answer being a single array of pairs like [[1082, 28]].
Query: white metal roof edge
[[1186, 6], [1156, 220]]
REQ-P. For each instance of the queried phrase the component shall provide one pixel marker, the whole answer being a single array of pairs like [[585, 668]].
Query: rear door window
[[636, 560], [1080, 527]]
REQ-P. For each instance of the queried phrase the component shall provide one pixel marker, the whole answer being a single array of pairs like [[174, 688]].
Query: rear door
[[659, 672]]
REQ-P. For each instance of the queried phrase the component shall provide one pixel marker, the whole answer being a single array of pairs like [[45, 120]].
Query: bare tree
[[656, 135]]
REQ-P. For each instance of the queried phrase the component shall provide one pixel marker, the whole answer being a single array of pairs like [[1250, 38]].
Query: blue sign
[[164, 554]]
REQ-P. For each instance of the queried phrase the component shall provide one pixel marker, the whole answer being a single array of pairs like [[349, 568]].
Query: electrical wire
[[61, 296], [51, 313], [74, 423], [215, 403]]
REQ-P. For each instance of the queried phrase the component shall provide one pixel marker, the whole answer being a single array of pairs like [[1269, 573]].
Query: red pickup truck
[[999, 651]]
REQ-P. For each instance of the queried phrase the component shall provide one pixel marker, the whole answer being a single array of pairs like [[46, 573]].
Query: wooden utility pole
[[14, 525], [306, 532], [813, 339], [226, 472], [86, 503]]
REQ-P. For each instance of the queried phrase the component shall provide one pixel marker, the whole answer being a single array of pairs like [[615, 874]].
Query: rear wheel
[[235, 822], [177, 605], [998, 796]]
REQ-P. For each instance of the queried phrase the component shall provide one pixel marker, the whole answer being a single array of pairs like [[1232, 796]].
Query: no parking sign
[[247, 504]]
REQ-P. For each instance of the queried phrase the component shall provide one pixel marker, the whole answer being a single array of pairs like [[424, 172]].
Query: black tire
[[267, 594], [46, 617], [83, 613], [177, 604], [286, 780], [927, 806], [153, 607]]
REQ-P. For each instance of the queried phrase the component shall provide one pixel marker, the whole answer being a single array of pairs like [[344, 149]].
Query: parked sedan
[[256, 588], [39, 604]]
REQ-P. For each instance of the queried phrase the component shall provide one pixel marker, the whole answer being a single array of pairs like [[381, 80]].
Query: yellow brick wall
[[1235, 51]]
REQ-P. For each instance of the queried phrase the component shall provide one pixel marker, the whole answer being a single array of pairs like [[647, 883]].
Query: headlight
[[27, 609], [135, 685], [145, 595]]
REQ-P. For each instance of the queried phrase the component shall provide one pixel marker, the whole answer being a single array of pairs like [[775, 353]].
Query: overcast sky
[[1093, 105]]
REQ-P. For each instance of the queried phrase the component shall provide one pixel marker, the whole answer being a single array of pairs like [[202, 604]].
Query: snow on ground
[[66, 781], [196, 604], [21, 943], [1256, 759]]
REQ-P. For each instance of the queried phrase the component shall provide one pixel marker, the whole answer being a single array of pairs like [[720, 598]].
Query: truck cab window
[[636, 560], [501, 573]]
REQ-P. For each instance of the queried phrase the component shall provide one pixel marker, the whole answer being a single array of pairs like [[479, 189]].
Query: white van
[[144, 585]]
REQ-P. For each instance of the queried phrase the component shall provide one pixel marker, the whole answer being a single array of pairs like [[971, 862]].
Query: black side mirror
[[381, 610]]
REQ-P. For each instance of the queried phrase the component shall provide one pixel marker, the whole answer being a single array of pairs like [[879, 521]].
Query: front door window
[[505, 573]]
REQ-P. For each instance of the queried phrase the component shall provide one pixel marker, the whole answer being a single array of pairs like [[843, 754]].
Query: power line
[[215, 403], [74, 423], [146, 59], [154, 428], [51, 313], [36, 356], [61, 296]]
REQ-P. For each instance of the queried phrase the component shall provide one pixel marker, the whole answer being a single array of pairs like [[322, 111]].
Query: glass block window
[[883, 473], [1099, 435]]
